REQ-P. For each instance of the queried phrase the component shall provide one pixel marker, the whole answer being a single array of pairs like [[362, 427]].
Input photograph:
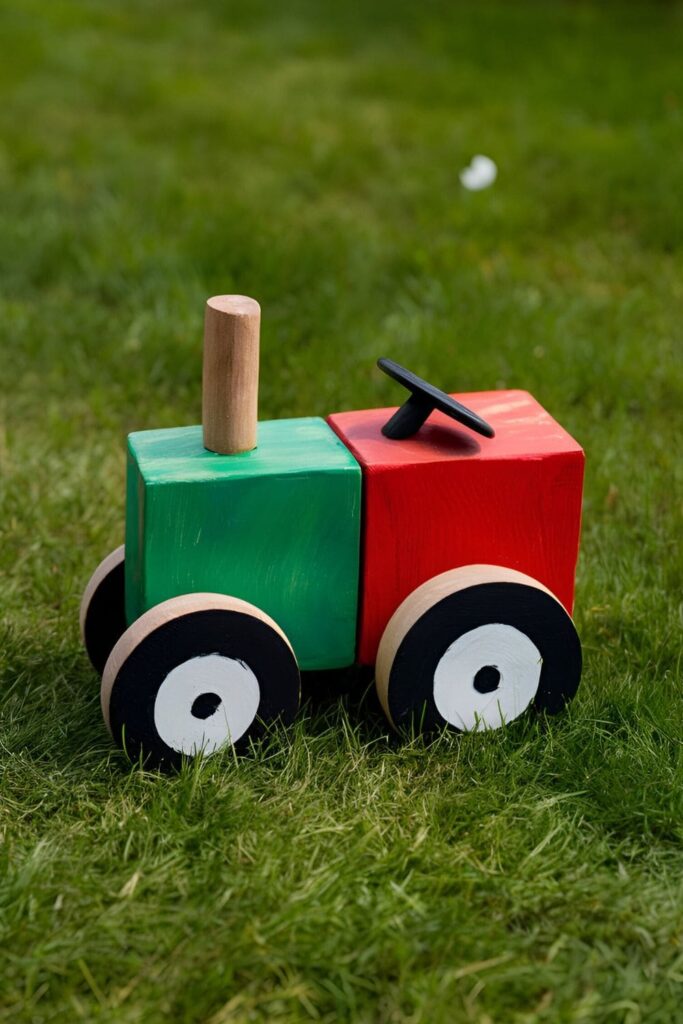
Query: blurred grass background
[[308, 154]]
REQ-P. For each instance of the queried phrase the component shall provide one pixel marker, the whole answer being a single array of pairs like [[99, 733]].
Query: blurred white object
[[481, 173]]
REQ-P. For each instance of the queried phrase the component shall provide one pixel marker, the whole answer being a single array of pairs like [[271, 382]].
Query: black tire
[[103, 609], [474, 648], [196, 674]]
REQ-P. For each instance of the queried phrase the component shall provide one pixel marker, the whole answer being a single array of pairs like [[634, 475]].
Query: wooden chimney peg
[[231, 362]]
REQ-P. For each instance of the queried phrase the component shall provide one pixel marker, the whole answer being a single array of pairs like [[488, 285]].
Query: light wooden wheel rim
[[164, 659], [414, 610], [106, 566], [102, 616]]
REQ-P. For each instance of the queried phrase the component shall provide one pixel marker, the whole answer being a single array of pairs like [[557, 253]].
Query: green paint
[[278, 526]]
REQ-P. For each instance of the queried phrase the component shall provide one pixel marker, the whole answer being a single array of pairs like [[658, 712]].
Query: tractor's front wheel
[[103, 611], [195, 674], [475, 647]]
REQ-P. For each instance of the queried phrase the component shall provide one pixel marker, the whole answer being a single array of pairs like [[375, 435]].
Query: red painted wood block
[[447, 498]]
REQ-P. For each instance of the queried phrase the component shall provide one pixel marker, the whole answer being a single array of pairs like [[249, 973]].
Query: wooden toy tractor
[[443, 556]]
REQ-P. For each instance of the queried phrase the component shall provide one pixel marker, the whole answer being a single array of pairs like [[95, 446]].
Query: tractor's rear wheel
[[103, 611], [196, 674], [475, 647]]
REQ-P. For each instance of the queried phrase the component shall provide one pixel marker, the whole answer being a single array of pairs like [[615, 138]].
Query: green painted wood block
[[278, 526]]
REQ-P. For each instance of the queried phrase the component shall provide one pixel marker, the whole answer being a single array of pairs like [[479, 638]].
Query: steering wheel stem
[[407, 420]]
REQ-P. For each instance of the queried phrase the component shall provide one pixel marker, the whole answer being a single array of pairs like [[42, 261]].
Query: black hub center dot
[[205, 705], [487, 679]]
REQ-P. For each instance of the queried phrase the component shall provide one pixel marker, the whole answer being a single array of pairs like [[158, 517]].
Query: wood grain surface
[[230, 375]]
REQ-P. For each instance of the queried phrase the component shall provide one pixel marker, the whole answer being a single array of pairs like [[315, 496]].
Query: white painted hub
[[227, 678], [518, 661]]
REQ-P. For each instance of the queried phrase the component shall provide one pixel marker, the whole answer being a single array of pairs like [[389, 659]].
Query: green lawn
[[153, 154]]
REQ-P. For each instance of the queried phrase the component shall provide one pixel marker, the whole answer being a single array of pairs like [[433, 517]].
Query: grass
[[308, 154]]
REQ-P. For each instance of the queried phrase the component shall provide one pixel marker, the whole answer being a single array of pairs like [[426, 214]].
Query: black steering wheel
[[424, 398]]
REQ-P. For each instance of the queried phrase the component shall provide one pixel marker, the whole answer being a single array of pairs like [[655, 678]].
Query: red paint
[[447, 498]]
